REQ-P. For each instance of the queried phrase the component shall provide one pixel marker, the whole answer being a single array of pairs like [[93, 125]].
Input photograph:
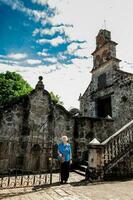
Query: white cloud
[[42, 41], [33, 62], [55, 41], [3, 56], [36, 31], [38, 14], [41, 2], [17, 56], [18, 5], [51, 59], [51, 31], [78, 47], [43, 32], [9, 62], [42, 53], [72, 47]]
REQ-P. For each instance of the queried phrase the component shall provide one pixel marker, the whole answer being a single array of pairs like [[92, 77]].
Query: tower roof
[[103, 37], [105, 51]]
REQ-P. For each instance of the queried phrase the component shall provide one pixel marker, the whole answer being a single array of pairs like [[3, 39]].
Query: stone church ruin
[[100, 132]]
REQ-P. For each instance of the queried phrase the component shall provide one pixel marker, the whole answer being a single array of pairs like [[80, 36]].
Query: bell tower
[[105, 50]]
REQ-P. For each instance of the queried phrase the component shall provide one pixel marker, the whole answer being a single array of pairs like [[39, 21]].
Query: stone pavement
[[77, 189]]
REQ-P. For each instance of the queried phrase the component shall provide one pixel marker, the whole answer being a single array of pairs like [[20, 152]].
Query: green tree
[[56, 98], [12, 86]]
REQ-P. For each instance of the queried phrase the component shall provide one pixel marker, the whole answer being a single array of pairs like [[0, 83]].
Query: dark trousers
[[65, 170]]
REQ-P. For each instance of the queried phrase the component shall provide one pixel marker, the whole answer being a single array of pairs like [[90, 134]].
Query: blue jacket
[[65, 150]]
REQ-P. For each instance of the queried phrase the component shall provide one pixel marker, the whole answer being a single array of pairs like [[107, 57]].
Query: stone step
[[83, 168], [85, 163], [78, 171]]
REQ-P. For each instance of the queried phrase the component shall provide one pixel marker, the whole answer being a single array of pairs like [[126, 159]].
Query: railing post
[[95, 159]]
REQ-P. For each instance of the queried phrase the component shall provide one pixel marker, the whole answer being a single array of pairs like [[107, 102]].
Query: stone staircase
[[113, 158], [81, 168]]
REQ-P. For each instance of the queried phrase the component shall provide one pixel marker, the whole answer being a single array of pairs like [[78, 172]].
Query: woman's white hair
[[64, 137]]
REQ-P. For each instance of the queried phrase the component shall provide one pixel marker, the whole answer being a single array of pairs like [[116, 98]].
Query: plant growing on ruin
[[56, 98]]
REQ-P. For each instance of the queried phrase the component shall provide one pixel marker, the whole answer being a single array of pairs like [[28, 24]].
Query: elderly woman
[[64, 152]]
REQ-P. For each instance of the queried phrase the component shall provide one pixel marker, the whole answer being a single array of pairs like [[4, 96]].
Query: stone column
[[95, 159]]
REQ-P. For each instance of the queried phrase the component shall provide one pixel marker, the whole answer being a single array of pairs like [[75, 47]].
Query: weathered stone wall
[[88, 100], [120, 87], [86, 129], [122, 99], [28, 127], [38, 124], [64, 123], [11, 120]]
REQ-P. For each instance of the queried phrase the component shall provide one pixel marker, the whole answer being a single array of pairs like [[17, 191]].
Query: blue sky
[[55, 38], [27, 28]]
